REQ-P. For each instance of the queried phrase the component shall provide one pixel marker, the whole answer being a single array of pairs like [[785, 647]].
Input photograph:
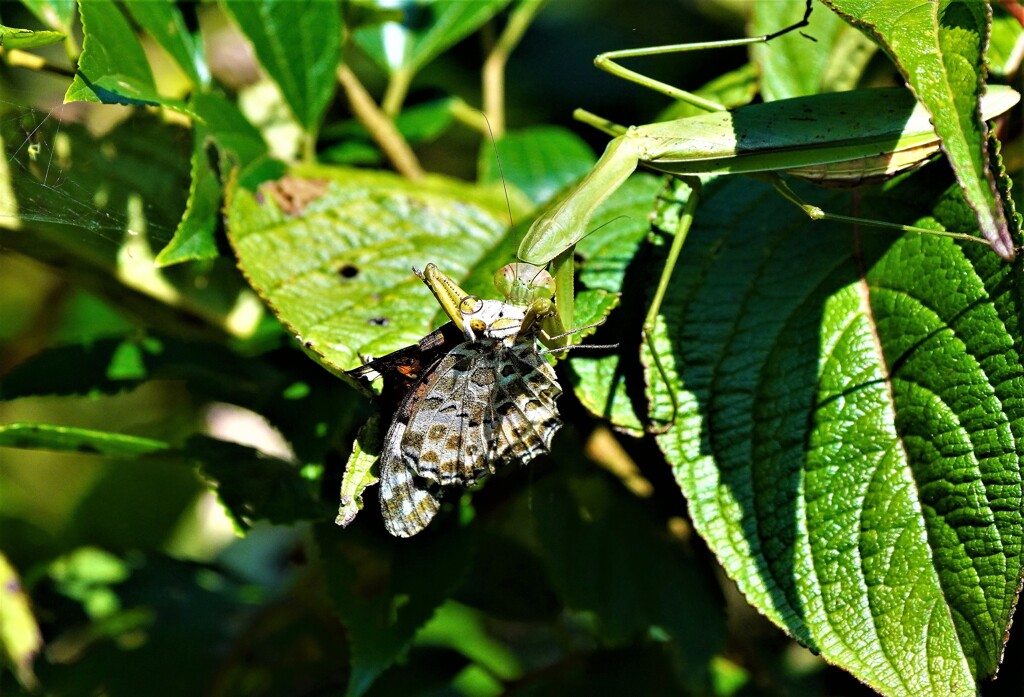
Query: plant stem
[[394, 95], [24, 59], [381, 128], [494, 67]]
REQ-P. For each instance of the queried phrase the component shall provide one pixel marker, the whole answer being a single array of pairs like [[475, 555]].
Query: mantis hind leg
[[608, 61], [816, 213]]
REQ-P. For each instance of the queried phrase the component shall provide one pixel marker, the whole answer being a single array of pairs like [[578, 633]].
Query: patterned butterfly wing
[[525, 404], [480, 407], [403, 368]]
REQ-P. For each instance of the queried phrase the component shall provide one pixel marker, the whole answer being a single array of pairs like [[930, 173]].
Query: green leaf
[[112, 68], [793, 65], [417, 123], [607, 556], [186, 609], [610, 256], [1006, 33], [938, 47], [466, 630], [427, 30], [239, 142], [26, 38], [850, 431], [253, 486], [538, 161], [359, 470], [425, 671], [81, 440], [194, 239], [733, 89], [284, 387], [56, 14], [299, 45], [163, 21], [331, 250], [385, 589]]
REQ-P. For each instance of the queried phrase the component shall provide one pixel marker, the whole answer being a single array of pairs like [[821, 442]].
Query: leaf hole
[[379, 321], [348, 271]]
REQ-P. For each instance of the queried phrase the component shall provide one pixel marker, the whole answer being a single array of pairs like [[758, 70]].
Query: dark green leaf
[[239, 142], [643, 669], [182, 610], [427, 671], [56, 14], [299, 45], [418, 124], [426, 31], [385, 589], [287, 389], [850, 430], [194, 238], [254, 486], [218, 123], [609, 558]]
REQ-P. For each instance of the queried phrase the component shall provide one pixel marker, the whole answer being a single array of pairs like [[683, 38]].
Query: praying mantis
[[837, 139]]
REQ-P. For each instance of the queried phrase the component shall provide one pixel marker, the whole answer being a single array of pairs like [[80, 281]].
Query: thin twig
[[381, 128], [494, 66], [24, 59]]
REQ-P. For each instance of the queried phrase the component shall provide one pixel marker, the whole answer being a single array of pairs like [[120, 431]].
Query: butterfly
[[475, 395]]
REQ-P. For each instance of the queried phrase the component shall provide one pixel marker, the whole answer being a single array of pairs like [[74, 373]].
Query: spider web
[[89, 184], [95, 192]]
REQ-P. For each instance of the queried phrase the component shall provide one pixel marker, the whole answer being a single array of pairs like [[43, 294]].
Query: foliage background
[[580, 576]]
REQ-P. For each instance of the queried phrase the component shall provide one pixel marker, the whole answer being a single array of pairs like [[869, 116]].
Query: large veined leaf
[[850, 428], [331, 249]]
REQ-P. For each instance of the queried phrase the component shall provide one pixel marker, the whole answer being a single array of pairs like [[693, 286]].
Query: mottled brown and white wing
[[406, 503], [446, 442], [481, 406], [524, 402], [436, 440]]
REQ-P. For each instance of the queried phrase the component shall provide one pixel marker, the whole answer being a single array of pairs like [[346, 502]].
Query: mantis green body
[[838, 139]]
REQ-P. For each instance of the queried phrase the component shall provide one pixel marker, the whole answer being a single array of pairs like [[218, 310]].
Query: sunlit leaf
[[939, 49]]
